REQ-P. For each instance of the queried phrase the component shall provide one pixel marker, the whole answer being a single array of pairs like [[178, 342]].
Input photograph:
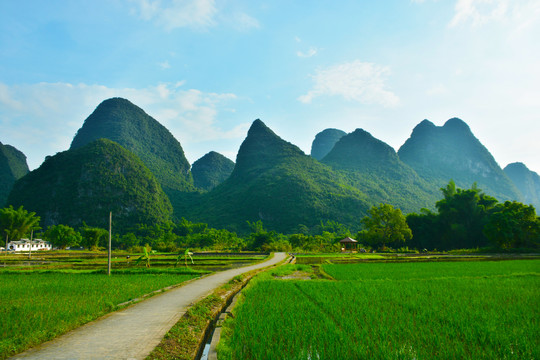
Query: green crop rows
[[460, 310], [36, 307]]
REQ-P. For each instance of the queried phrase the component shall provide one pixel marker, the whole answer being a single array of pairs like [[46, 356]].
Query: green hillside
[[441, 153], [211, 170], [13, 166], [527, 182], [374, 168], [84, 184], [274, 181], [121, 121]]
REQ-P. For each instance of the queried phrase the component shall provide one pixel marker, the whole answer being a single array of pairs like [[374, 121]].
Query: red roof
[[348, 240]]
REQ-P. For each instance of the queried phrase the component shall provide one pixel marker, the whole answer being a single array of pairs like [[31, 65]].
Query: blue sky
[[206, 69]]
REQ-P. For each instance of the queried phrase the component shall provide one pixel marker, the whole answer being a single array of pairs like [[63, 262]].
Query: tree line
[[465, 218]]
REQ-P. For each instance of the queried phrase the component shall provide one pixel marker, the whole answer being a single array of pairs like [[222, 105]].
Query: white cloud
[[177, 13], [242, 21], [355, 81], [41, 119], [311, 52], [479, 12], [518, 13], [164, 65], [436, 90], [195, 14]]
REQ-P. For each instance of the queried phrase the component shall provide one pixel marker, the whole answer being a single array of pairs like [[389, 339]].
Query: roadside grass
[[463, 310], [37, 306]]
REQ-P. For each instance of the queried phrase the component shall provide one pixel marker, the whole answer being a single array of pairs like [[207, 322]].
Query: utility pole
[[31, 241], [110, 228]]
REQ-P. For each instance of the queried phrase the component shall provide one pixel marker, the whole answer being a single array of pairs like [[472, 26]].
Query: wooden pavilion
[[348, 244]]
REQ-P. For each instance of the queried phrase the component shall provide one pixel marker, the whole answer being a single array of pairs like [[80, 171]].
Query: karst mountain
[[123, 160]]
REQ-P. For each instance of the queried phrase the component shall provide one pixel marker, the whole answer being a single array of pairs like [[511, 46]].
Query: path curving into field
[[132, 333]]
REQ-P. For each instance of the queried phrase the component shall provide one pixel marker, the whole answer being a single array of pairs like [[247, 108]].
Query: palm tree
[[17, 223]]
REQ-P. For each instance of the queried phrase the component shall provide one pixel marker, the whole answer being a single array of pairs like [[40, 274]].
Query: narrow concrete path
[[132, 333]]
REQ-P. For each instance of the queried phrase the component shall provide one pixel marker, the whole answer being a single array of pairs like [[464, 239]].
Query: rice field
[[439, 310], [36, 307]]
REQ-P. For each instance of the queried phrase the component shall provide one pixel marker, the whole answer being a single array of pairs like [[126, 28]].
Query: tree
[[513, 225], [17, 223], [259, 235], [425, 229], [92, 236], [63, 236], [385, 225], [462, 216]]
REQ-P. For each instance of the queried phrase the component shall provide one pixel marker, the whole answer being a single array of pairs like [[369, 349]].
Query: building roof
[[348, 240]]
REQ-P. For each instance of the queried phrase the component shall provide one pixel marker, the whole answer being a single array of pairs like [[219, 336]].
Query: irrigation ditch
[[192, 337]]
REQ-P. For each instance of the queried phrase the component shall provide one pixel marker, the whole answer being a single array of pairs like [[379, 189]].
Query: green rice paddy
[[439, 310], [36, 307], [54, 292]]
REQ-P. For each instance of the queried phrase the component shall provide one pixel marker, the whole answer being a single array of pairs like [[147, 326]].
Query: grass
[[57, 291], [37, 307], [456, 310], [431, 270]]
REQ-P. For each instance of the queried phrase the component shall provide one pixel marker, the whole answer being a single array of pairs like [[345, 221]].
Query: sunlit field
[[459, 310], [36, 307]]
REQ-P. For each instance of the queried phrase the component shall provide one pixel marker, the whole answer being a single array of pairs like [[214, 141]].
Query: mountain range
[[141, 170]]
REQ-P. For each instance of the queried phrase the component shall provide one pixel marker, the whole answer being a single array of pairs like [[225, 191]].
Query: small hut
[[348, 244]]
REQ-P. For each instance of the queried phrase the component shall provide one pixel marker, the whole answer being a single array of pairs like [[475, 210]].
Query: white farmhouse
[[24, 245]]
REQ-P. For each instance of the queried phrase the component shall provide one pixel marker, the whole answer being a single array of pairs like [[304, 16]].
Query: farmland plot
[[36, 307], [464, 310]]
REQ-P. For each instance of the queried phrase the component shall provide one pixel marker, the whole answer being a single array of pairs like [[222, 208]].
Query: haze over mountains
[[141, 170]]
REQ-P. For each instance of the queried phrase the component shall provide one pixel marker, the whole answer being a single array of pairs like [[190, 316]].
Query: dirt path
[[132, 333]]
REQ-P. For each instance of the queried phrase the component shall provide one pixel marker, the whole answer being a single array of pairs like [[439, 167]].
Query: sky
[[206, 69]]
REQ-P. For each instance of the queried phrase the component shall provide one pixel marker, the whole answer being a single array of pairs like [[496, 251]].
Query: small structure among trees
[[29, 245], [348, 244]]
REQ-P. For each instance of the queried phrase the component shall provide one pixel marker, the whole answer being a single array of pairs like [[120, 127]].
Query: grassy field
[[54, 292], [36, 307], [440, 310]]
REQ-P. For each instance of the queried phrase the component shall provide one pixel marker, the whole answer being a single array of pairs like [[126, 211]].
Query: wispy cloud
[[355, 81], [164, 65], [43, 118], [195, 14], [517, 13], [242, 21], [177, 13], [311, 52], [479, 12]]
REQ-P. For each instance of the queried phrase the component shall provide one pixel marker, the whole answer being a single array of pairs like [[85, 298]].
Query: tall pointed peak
[[258, 127], [127, 124], [263, 149]]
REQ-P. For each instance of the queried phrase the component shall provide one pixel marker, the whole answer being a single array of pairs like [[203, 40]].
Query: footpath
[[132, 333]]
